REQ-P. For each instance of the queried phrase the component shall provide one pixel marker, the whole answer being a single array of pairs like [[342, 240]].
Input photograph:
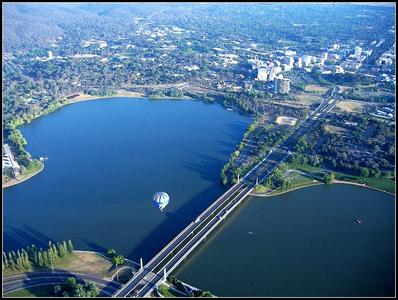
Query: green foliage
[[329, 178], [26, 259], [118, 260], [111, 253], [72, 288], [70, 246]]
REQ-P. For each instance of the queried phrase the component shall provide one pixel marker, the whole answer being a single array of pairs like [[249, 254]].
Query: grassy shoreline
[[24, 176], [338, 180]]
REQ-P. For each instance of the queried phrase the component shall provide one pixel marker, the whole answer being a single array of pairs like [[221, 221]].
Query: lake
[[303, 243], [106, 160]]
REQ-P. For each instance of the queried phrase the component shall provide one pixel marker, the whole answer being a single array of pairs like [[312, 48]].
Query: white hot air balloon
[[160, 200]]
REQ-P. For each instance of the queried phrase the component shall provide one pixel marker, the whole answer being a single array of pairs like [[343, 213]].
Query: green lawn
[[381, 183], [37, 291], [34, 166], [167, 292]]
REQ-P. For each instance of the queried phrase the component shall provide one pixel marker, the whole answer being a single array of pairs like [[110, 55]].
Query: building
[[288, 60], [299, 63], [9, 164], [282, 85], [283, 120], [248, 86], [307, 59], [290, 53], [50, 55], [262, 74], [357, 51], [338, 70]]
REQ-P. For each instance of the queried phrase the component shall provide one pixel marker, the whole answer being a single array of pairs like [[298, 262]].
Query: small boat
[[358, 221]]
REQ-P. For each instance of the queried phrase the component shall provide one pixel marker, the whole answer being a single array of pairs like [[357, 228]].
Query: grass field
[[37, 291], [167, 292], [84, 262], [315, 89], [381, 183], [350, 106], [308, 99], [336, 130]]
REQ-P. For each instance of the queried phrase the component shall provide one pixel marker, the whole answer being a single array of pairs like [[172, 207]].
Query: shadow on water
[[230, 147], [205, 166], [174, 223], [95, 247], [27, 236]]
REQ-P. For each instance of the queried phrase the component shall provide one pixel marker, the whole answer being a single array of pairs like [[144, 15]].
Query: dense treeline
[[33, 257]]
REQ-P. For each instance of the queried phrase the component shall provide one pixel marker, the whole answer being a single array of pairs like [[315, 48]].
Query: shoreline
[[266, 194], [15, 181], [141, 95]]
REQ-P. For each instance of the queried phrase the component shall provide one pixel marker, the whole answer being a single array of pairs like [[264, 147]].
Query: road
[[184, 243], [13, 283]]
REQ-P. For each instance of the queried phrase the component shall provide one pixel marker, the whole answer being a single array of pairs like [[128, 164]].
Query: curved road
[[13, 283]]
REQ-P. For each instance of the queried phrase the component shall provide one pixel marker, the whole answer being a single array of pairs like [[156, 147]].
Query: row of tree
[[33, 257]]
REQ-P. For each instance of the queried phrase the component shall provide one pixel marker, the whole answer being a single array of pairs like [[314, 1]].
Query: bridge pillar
[[238, 178], [141, 264], [257, 181], [164, 274]]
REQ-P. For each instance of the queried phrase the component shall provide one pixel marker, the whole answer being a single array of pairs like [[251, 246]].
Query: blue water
[[301, 244], [106, 160]]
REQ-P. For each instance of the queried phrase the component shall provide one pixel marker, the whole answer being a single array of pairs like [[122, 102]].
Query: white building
[[299, 63], [262, 74], [9, 164], [307, 59], [357, 51], [338, 70], [289, 61], [50, 55], [290, 53]]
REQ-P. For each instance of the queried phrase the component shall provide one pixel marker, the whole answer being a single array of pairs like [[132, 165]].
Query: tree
[[111, 253], [40, 259], [329, 178], [70, 246], [364, 172], [57, 289], [70, 282], [91, 289]]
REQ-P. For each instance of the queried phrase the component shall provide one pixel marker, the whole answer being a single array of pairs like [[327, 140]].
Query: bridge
[[156, 270]]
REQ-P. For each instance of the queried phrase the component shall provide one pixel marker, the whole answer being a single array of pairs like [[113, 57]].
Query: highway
[[13, 283], [186, 241]]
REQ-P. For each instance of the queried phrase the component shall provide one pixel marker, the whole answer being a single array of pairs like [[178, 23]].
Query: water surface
[[303, 243], [106, 160]]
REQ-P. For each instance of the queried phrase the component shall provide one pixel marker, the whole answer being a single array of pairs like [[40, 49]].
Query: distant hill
[[28, 25]]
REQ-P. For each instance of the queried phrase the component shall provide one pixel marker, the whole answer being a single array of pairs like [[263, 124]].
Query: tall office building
[[262, 74]]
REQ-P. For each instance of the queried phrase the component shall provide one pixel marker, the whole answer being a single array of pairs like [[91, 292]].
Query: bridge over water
[[163, 263]]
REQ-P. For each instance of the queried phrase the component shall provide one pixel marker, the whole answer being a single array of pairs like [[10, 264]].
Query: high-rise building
[[262, 74], [299, 63], [272, 73], [307, 60], [282, 85], [50, 54], [288, 60]]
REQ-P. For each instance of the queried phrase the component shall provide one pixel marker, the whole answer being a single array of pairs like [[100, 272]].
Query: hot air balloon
[[160, 200]]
